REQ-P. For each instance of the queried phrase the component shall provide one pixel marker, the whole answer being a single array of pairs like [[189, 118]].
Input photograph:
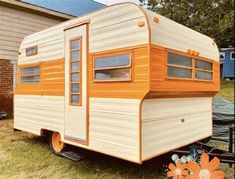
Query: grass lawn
[[227, 90], [23, 155]]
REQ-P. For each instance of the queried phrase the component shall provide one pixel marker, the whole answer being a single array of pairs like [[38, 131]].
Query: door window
[[75, 71]]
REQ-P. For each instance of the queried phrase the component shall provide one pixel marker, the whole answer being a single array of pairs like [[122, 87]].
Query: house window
[[31, 51], [222, 56], [75, 71], [113, 68], [30, 74], [232, 55], [179, 66], [203, 70]]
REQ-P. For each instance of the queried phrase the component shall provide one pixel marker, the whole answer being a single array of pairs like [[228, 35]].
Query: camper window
[[113, 68], [179, 66], [30, 74], [31, 51], [203, 70], [75, 71]]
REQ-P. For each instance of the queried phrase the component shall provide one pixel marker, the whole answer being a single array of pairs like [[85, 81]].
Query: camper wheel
[[55, 143]]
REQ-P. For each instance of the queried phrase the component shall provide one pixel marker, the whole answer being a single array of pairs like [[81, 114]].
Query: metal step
[[74, 156]]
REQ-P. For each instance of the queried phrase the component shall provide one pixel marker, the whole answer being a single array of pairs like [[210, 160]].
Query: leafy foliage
[[214, 18]]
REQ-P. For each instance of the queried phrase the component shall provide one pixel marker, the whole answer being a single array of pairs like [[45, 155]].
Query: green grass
[[23, 155], [227, 90]]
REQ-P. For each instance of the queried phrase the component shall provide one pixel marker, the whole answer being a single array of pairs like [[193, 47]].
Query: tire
[[55, 143]]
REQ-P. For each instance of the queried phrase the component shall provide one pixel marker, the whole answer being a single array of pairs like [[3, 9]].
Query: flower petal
[[191, 177], [213, 164], [172, 167], [194, 167], [204, 160], [185, 172], [170, 174], [180, 177], [217, 175], [183, 166], [178, 163]]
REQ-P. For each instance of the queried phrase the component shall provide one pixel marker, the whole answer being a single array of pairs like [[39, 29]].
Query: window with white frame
[[232, 55]]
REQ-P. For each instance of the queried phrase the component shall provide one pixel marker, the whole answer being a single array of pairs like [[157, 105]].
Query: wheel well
[[45, 132]]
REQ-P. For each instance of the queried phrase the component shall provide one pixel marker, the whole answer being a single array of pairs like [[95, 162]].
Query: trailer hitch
[[224, 156]]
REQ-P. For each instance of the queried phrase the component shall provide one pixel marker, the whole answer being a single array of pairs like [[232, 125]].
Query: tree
[[214, 18]]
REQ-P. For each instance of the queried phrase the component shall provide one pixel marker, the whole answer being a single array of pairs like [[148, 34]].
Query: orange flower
[[206, 170], [177, 171]]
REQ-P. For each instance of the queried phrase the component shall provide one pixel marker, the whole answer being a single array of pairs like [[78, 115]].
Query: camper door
[[76, 84]]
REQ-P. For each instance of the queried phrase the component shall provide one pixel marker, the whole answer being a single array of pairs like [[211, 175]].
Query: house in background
[[18, 19], [227, 63]]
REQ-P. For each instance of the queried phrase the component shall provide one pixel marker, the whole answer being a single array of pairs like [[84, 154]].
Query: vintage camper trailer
[[122, 81]]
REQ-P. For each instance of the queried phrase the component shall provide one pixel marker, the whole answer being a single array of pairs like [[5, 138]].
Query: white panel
[[114, 127], [119, 35], [110, 28], [116, 27], [162, 126], [50, 46], [33, 113], [170, 34]]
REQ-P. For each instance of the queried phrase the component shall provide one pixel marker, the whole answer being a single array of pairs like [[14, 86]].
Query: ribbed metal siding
[[33, 113], [162, 126], [114, 127], [111, 28], [173, 35]]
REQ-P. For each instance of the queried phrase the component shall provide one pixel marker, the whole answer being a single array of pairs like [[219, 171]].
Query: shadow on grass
[[97, 162], [153, 168]]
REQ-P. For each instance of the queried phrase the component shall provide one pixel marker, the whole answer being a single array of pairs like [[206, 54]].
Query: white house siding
[[15, 25]]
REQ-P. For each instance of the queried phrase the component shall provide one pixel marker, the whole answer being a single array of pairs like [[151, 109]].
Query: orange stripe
[[51, 79], [163, 86], [136, 88]]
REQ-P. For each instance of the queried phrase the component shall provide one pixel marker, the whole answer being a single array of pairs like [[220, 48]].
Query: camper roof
[[163, 32]]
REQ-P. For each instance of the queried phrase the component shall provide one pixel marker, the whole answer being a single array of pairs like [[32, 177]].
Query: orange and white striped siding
[[124, 117]]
